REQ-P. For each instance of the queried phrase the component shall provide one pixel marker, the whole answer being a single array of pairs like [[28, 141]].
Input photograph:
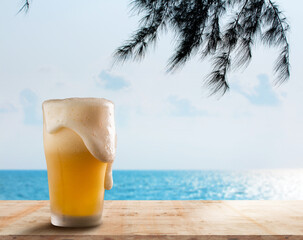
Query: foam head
[[92, 119]]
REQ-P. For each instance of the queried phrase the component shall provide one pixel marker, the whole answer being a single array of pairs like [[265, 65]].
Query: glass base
[[72, 221]]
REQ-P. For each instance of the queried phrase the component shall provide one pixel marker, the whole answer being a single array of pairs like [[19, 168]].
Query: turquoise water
[[170, 185]]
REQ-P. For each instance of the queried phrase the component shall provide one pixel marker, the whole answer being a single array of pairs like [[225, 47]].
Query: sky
[[64, 49]]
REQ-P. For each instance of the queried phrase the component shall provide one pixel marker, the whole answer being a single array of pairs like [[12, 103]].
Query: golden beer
[[79, 145]]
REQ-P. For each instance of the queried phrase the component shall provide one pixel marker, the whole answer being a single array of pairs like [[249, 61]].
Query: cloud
[[111, 82], [183, 108], [7, 108], [30, 101], [262, 93]]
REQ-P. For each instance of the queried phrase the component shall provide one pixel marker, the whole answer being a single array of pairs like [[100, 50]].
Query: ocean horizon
[[276, 184]]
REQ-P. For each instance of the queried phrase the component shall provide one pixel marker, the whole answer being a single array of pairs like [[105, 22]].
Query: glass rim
[[88, 100]]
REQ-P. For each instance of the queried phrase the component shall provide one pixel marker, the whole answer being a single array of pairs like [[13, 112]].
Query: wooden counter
[[173, 220]]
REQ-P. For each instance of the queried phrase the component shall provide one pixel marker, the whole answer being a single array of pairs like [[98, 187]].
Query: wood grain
[[171, 220]]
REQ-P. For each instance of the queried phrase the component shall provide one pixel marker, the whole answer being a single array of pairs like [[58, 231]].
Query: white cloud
[[182, 107], [261, 94], [110, 81], [7, 108]]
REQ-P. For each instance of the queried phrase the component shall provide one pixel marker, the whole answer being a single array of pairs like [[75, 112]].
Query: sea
[[281, 184]]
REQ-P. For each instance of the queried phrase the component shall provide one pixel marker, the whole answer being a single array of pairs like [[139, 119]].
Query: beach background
[[170, 185], [174, 141]]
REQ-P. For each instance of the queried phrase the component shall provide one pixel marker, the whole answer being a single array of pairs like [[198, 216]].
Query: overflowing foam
[[92, 119]]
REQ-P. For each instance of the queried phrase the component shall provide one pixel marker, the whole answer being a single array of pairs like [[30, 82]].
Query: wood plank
[[212, 220]]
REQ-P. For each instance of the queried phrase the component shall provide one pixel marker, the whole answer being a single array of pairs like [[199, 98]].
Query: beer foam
[[92, 119]]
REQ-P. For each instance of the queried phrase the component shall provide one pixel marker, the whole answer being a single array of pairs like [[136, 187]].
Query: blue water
[[170, 185]]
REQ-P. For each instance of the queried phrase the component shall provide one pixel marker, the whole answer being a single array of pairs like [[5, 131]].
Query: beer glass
[[79, 144]]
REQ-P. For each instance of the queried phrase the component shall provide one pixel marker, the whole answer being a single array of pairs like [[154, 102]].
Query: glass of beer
[[79, 143]]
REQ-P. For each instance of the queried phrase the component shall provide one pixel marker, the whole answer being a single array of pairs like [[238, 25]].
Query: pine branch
[[276, 35], [217, 79], [213, 38], [196, 24], [136, 47], [250, 27], [190, 32], [25, 7]]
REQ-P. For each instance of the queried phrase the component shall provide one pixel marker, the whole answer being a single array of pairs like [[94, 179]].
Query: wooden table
[[173, 220]]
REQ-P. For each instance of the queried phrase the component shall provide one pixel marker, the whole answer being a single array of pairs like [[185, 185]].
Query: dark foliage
[[198, 28], [25, 7]]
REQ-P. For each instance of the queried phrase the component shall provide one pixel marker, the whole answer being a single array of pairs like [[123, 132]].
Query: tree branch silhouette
[[276, 35], [25, 7], [197, 26], [216, 80]]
